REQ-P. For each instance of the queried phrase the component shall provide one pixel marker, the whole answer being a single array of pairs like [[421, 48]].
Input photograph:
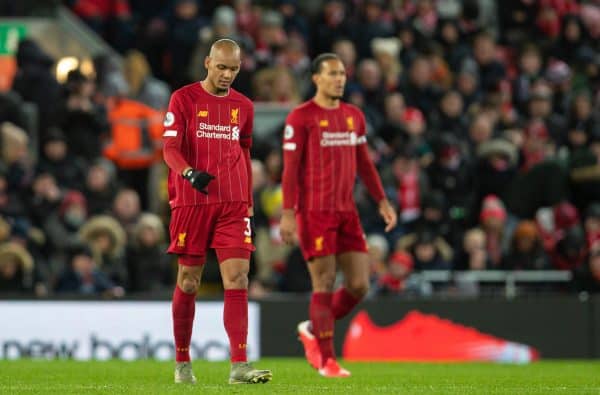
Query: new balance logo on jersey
[[211, 131]]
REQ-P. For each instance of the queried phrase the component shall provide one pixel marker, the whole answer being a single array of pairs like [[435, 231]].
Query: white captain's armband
[[170, 133], [289, 146], [361, 140]]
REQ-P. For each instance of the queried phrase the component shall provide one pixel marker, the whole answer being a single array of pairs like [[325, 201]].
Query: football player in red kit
[[324, 147], [207, 139]]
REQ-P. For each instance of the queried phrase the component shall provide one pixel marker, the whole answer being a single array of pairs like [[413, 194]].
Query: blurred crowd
[[483, 119]]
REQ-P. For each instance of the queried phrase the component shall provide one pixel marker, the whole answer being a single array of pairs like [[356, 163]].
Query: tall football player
[[324, 147]]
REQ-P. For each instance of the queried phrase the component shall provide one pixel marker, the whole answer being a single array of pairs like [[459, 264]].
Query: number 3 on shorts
[[248, 231]]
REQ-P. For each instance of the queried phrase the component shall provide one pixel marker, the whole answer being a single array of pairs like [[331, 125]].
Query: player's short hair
[[315, 66]]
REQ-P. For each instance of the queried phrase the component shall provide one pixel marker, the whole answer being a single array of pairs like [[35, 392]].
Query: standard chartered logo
[[211, 131], [330, 139]]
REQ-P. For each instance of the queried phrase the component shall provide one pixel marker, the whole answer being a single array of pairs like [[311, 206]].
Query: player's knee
[[359, 290], [189, 285], [325, 281], [238, 280]]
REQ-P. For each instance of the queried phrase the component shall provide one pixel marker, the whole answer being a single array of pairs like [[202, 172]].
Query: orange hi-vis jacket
[[136, 135]]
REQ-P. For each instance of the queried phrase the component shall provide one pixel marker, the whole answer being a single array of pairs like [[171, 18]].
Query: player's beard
[[337, 97]]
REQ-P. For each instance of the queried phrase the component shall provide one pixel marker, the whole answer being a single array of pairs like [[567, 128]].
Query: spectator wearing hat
[[434, 214], [495, 170], [415, 127], [559, 75], [394, 281], [428, 250], [16, 269], [106, 238], [82, 276], [493, 220], [526, 249], [571, 250], [386, 51], [62, 225]]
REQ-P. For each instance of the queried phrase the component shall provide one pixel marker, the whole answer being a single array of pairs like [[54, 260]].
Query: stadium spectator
[[82, 276], [149, 268], [143, 87], [16, 269], [35, 83], [126, 209], [100, 186], [107, 239], [526, 250], [82, 121], [394, 281], [67, 170], [472, 254]]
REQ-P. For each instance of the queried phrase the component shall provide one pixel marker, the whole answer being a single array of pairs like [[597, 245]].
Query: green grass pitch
[[294, 376]]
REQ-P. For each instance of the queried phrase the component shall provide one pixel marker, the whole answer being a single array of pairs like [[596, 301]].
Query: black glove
[[198, 179]]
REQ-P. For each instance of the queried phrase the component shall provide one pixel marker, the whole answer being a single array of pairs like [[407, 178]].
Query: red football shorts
[[222, 226], [323, 233]]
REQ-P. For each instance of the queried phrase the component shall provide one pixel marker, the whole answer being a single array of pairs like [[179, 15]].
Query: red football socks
[[183, 309], [343, 303], [321, 317], [235, 319]]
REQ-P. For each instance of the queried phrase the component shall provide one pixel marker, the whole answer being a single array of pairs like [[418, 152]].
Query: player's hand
[[287, 227], [388, 213], [198, 179]]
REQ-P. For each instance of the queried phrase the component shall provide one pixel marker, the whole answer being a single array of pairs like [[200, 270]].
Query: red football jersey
[[323, 149], [209, 131]]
